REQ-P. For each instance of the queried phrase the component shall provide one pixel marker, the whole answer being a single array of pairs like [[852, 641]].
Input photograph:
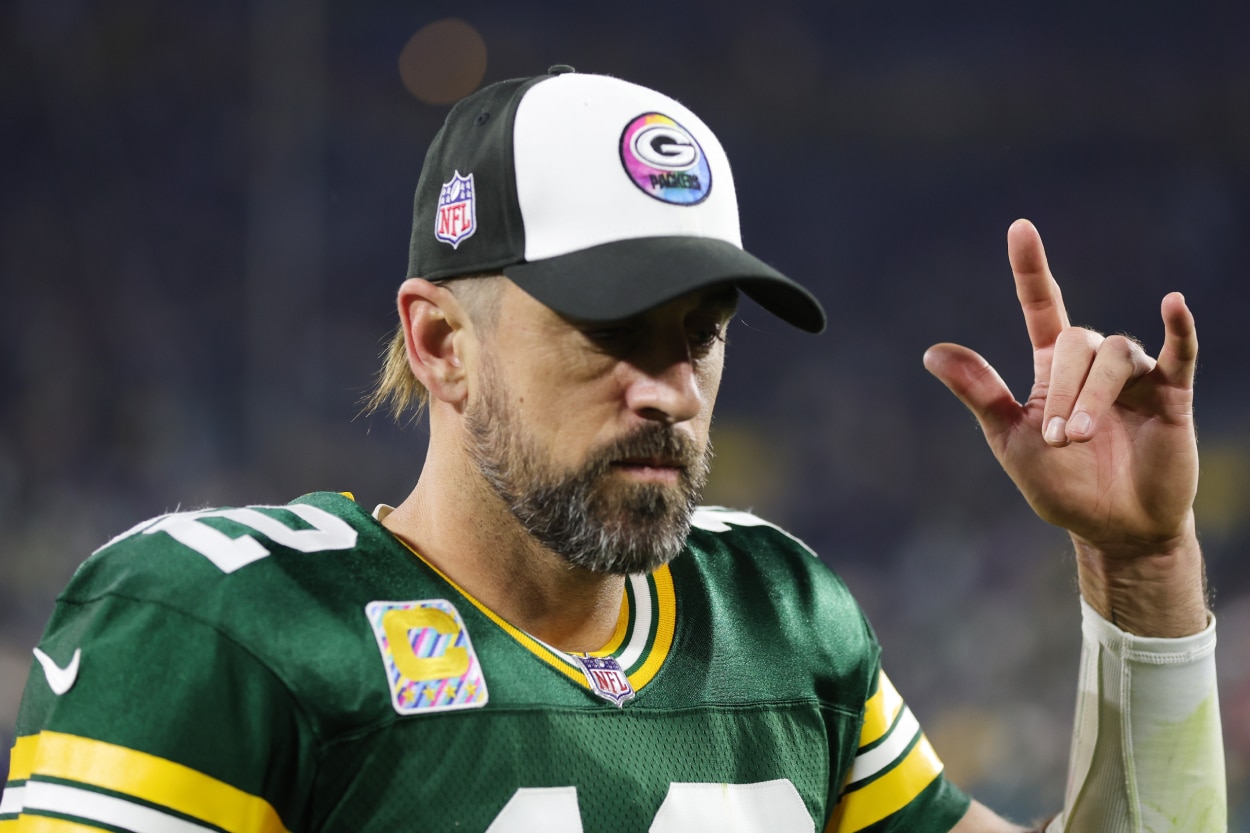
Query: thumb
[[978, 386]]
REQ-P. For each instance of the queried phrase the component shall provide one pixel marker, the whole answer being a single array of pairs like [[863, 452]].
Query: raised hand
[[1103, 446]]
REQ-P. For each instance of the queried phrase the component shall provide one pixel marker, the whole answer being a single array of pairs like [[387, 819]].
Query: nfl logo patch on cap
[[456, 218]]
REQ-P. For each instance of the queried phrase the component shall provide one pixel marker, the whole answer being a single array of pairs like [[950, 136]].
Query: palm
[[1137, 476]]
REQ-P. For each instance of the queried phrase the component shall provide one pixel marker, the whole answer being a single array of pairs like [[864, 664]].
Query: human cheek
[[709, 371]]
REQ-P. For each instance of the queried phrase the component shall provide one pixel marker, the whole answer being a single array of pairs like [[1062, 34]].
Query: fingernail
[[1055, 430], [1080, 422]]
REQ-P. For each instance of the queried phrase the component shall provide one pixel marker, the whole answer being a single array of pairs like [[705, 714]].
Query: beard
[[586, 515]]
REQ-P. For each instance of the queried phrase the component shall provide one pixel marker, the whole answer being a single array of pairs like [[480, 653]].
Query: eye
[[612, 336], [610, 333], [704, 334]]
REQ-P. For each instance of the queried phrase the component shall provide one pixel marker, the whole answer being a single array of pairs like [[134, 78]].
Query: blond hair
[[395, 388]]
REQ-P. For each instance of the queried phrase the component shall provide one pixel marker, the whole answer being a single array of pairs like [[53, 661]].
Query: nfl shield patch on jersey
[[429, 658], [607, 679]]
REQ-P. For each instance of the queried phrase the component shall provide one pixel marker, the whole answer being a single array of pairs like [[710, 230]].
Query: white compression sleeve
[[1147, 752]]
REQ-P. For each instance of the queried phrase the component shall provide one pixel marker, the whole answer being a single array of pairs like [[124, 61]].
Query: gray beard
[[586, 515]]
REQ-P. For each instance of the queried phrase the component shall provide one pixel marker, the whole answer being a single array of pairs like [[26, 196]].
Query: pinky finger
[[1179, 355]]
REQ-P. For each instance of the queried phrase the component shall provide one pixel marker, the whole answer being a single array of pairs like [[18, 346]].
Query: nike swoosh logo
[[60, 680]]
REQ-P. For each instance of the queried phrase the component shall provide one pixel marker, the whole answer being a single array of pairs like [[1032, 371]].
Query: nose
[[665, 389]]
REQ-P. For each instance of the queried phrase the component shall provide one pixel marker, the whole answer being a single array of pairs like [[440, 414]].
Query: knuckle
[[1078, 339], [1093, 339], [1068, 336], [1120, 346]]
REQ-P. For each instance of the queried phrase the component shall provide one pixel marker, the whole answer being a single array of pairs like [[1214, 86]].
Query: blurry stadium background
[[205, 213]]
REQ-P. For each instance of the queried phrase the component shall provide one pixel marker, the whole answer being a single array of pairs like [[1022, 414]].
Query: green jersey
[[298, 668]]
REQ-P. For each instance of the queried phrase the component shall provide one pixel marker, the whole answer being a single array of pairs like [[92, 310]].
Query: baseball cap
[[598, 197]]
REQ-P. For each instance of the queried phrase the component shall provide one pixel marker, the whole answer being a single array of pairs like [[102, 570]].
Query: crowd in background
[[200, 241]]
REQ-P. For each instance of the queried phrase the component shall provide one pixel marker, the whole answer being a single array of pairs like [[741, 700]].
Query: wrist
[[1147, 590], [1147, 750]]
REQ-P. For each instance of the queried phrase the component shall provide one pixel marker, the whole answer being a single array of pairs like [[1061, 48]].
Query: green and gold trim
[[894, 764], [642, 639], [63, 782]]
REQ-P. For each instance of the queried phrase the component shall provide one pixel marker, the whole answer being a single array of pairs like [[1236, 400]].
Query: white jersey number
[[773, 806], [229, 554]]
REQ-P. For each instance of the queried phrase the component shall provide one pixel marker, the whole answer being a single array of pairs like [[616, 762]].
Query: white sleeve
[[1147, 752]]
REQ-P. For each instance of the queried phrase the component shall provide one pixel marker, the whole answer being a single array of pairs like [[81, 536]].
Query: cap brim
[[626, 277]]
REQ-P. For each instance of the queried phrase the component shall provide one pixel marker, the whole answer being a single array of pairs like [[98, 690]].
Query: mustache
[[652, 441]]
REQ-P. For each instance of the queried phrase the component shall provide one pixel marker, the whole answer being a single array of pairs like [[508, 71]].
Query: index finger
[[1040, 298]]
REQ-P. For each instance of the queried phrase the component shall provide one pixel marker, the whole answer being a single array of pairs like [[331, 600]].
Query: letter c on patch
[[399, 623]]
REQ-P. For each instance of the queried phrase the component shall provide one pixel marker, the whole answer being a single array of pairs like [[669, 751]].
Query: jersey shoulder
[[278, 594], [891, 778], [744, 530], [199, 653], [743, 542], [272, 579], [188, 553], [774, 587]]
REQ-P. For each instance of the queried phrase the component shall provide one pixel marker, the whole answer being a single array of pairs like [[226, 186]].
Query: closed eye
[[703, 336], [611, 335]]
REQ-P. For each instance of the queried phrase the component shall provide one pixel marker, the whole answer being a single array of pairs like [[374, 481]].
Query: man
[[546, 633]]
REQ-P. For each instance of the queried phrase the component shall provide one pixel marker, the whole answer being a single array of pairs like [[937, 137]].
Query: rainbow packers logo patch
[[429, 659], [456, 218], [664, 160]]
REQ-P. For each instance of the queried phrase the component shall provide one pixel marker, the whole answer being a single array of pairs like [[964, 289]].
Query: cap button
[[559, 69]]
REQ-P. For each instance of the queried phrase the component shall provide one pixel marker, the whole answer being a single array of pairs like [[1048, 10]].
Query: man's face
[[596, 436]]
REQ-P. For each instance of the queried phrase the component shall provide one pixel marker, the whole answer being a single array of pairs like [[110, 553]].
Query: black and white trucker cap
[[598, 197]]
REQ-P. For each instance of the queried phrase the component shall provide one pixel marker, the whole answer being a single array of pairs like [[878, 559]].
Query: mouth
[[651, 469]]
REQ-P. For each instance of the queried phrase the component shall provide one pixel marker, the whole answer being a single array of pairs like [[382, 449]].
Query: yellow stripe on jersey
[[903, 779], [880, 711], [22, 757], [889, 793], [666, 624], [532, 644], [147, 777], [47, 824]]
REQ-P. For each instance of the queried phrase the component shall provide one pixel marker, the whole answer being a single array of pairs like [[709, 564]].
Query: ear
[[435, 331]]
